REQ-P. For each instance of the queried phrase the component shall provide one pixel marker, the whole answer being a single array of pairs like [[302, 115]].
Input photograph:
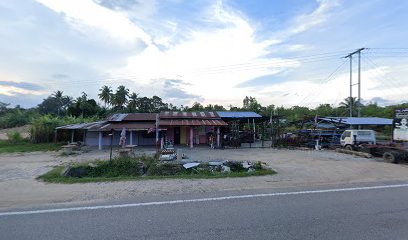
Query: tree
[[145, 104], [132, 104], [56, 104], [3, 108], [62, 101], [196, 107], [120, 98], [350, 101], [105, 95], [158, 104], [325, 110], [84, 107], [251, 104], [214, 107]]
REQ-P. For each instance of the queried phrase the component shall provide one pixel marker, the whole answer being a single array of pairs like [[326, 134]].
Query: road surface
[[343, 212]]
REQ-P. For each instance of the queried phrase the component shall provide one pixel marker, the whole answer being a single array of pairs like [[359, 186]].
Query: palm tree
[[132, 104], [120, 97], [58, 95], [105, 94], [353, 102]]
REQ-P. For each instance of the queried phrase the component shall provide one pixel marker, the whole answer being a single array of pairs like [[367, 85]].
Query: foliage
[[138, 168], [84, 107], [26, 146], [117, 167], [105, 95], [14, 137], [56, 104], [119, 99], [42, 128], [16, 117]]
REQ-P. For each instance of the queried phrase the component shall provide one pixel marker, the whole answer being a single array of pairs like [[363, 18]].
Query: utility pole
[[350, 55], [359, 84], [351, 85]]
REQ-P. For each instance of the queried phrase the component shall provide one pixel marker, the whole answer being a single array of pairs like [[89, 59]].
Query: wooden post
[[55, 135], [218, 136], [72, 135], [131, 137], [253, 121], [84, 137], [191, 136]]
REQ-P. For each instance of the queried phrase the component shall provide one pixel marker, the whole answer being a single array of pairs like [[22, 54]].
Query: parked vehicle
[[364, 140], [352, 138]]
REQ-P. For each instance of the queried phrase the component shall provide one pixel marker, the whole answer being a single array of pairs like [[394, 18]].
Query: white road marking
[[200, 200]]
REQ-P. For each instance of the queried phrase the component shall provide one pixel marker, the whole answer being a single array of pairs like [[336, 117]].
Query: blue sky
[[281, 52]]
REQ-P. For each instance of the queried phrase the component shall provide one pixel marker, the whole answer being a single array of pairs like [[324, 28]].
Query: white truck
[[393, 152], [353, 137]]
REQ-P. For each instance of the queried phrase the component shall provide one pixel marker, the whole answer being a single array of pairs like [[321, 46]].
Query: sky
[[284, 53]]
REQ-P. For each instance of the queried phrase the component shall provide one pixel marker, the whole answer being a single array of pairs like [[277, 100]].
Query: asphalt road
[[375, 213]]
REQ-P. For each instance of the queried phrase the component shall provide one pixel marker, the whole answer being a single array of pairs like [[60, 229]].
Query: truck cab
[[354, 137]]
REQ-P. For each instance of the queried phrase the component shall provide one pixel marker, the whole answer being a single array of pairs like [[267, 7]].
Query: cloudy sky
[[281, 52]]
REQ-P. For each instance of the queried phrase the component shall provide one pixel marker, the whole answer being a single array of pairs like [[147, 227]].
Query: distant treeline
[[58, 109]]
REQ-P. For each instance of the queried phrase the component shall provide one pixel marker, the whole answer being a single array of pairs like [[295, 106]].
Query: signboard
[[400, 131]]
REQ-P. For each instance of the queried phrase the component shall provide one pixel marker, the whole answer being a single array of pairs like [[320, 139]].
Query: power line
[[326, 80]]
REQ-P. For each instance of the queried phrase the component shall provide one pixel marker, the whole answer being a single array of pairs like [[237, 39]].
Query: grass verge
[[130, 169], [26, 146]]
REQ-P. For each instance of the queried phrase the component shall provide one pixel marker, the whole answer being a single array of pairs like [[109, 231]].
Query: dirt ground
[[23, 130], [19, 188]]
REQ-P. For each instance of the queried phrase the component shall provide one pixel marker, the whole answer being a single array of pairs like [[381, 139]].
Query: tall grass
[[43, 128]]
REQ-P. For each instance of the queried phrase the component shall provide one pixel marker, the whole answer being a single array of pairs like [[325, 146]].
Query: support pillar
[[100, 141], [218, 136], [131, 137], [253, 121], [191, 137], [72, 135]]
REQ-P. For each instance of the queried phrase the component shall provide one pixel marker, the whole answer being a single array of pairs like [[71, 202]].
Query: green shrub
[[14, 137], [235, 166], [43, 128], [117, 167], [165, 169]]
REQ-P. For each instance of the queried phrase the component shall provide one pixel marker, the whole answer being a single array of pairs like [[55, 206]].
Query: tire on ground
[[349, 147], [391, 157]]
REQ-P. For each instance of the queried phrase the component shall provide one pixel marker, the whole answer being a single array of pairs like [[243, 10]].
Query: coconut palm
[[105, 95], [353, 102], [120, 97], [132, 104], [61, 101]]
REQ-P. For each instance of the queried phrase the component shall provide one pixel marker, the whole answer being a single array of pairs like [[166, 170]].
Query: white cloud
[[90, 18]]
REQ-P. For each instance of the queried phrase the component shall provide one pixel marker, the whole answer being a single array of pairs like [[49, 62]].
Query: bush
[[14, 137], [119, 167], [235, 166], [43, 128], [165, 169]]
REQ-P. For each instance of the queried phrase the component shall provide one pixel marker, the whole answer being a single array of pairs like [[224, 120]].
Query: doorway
[[177, 135]]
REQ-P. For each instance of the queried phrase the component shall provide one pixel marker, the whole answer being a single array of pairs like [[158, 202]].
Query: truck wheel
[[349, 147], [390, 157]]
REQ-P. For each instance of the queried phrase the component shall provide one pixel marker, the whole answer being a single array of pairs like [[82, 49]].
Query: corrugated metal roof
[[118, 117], [360, 120], [140, 117], [89, 126], [128, 126], [224, 114], [192, 122], [198, 115]]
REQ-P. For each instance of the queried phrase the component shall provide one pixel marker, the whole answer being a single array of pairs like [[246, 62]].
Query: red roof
[[195, 115], [128, 126], [140, 117], [189, 122]]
